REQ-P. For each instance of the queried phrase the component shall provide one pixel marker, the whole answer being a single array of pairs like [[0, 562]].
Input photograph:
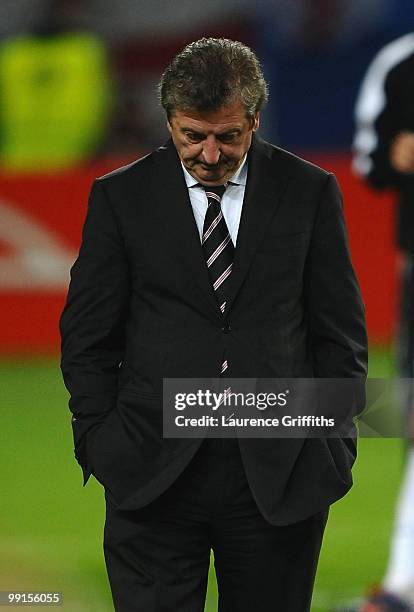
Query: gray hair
[[211, 73]]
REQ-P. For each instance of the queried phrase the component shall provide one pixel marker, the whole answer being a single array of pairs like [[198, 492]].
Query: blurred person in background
[[55, 91], [153, 295], [316, 51], [384, 157]]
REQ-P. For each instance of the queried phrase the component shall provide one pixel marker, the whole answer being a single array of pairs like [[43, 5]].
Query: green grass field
[[51, 527]]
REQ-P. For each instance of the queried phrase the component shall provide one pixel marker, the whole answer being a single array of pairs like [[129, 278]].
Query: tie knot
[[216, 192]]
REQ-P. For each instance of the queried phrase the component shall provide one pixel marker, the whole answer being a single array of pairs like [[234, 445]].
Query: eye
[[194, 137], [228, 138]]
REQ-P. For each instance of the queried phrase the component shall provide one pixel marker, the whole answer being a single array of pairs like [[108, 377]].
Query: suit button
[[226, 329]]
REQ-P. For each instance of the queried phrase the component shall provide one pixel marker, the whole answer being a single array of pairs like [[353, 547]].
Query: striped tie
[[218, 249]]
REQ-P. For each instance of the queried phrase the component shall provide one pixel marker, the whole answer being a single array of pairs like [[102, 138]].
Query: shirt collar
[[238, 178]]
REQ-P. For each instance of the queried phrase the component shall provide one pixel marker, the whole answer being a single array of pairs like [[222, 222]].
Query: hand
[[402, 153]]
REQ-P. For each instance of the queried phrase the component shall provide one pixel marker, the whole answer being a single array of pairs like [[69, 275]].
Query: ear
[[169, 127], [256, 122]]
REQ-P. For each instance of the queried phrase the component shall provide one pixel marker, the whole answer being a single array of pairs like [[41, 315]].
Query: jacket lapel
[[180, 229], [264, 190]]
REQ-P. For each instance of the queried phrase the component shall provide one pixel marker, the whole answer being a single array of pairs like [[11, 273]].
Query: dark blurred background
[[78, 98], [314, 52]]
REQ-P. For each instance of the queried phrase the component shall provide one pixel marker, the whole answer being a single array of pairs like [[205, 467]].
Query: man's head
[[212, 93]]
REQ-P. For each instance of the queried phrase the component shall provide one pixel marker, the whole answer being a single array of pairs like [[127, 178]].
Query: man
[[216, 254], [384, 157]]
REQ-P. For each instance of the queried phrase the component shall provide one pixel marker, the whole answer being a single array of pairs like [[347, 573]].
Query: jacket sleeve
[[336, 314], [379, 119], [92, 324]]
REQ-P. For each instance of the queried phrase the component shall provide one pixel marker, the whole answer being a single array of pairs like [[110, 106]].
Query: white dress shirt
[[231, 203]]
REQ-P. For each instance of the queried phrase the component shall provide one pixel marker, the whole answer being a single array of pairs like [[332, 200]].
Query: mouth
[[210, 168], [222, 162]]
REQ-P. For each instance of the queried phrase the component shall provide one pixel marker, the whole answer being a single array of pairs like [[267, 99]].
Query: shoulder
[[290, 164], [391, 60], [390, 71], [394, 54], [138, 170]]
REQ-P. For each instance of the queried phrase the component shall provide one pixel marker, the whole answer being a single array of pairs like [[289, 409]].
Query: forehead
[[228, 117]]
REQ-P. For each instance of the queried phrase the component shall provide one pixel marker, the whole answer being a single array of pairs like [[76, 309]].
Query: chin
[[213, 180], [209, 176]]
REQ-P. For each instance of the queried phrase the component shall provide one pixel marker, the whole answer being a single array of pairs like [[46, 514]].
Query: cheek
[[234, 153], [184, 148], [190, 150]]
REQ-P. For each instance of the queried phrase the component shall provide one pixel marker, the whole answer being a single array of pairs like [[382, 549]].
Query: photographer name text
[[233, 421]]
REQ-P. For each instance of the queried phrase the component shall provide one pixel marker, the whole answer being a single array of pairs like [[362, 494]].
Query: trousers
[[157, 557]]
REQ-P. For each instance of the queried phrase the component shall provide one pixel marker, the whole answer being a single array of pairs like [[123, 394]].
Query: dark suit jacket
[[141, 307]]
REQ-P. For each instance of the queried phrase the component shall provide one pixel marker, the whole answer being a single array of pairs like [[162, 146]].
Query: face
[[212, 145]]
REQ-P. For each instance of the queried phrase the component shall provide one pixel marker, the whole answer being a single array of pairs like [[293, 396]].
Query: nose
[[211, 150]]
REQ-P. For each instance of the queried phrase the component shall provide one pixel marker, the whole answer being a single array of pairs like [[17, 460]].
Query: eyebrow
[[186, 130]]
